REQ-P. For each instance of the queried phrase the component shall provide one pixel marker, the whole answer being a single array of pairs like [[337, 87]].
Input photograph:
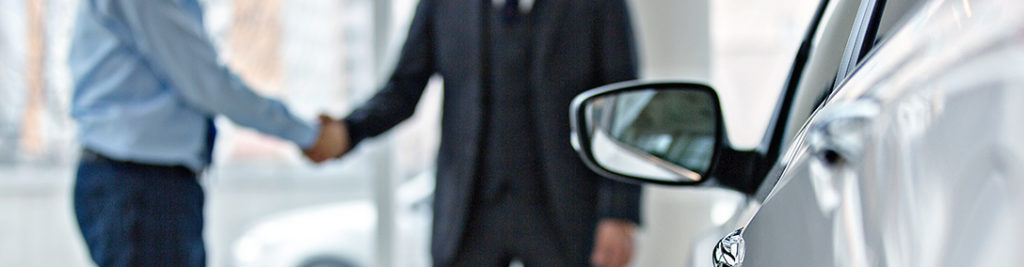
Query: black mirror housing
[[669, 133]]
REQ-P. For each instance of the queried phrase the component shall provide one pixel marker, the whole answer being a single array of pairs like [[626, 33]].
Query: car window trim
[[770, 148], [862, 38]]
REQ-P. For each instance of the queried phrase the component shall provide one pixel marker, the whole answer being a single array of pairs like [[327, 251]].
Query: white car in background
[[341, 234]]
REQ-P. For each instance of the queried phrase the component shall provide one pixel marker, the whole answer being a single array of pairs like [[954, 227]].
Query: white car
[[898, 140], [341, 234]]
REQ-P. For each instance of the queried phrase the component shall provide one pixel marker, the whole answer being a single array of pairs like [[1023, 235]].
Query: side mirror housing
[[667, 133]]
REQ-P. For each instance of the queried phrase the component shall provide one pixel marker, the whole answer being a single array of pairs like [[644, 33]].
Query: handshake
[[333, 141]]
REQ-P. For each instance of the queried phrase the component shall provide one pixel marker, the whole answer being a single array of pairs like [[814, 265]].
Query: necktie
[[511, 11]]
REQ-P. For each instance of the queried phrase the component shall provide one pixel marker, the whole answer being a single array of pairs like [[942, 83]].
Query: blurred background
[[268, 206]]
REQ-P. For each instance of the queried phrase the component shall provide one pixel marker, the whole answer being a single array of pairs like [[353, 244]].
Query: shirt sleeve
[[177, 48]]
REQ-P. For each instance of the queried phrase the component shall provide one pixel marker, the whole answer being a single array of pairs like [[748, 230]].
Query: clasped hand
[[333, 141]]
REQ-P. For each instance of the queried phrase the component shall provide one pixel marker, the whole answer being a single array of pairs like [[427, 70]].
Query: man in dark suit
[[509, 186]]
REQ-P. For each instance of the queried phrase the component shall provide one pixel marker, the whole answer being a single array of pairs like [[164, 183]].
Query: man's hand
[[613, 243], [332, 143]]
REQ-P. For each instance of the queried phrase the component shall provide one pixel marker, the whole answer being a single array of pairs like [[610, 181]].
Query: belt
[[90, 155]]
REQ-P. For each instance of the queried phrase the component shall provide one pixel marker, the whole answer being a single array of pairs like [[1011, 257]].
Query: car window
[[875, 22], [823, 64], [893, 16]]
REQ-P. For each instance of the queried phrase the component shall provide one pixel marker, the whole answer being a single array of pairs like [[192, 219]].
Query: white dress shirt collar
[[524, 5]]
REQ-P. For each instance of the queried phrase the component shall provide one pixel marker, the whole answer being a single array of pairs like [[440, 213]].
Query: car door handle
[[839, 133]]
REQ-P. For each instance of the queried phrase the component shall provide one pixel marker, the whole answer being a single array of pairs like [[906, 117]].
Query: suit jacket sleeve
[[396, 101], [617, 62]]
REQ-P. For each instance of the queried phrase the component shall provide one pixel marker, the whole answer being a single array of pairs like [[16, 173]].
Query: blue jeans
[[134, 214]]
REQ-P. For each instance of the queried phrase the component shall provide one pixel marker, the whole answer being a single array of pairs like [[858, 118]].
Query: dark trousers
[[134, 214], [513, 229]]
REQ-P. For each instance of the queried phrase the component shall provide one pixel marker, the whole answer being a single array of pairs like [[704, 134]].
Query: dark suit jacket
[[581, 44]]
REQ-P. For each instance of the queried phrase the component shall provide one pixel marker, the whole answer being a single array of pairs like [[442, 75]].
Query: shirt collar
[[524, 5]]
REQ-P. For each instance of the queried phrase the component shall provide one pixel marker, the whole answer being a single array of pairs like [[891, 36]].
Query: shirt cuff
[[304, 134]]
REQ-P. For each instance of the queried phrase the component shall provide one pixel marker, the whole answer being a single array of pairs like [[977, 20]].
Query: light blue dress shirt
[[148, 83]]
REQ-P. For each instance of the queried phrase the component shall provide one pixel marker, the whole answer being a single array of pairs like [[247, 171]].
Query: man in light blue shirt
[[147, 86]]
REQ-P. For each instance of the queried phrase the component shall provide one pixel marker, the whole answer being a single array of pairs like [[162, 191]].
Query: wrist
[[307, 135]]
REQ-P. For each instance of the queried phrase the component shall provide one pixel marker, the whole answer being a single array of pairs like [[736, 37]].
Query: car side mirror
[[663, 133]]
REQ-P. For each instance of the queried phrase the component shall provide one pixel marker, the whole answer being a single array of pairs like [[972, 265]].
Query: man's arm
[[178, 49], [397, 100], [618, 203], [618, 62]]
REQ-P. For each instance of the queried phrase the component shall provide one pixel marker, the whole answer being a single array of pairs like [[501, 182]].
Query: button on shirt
[[148, 82]]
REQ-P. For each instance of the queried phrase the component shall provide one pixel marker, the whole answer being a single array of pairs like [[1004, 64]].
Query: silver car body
[[917, 159], [897, 141]]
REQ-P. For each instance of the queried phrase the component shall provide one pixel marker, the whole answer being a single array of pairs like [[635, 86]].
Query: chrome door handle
[[837, 137]]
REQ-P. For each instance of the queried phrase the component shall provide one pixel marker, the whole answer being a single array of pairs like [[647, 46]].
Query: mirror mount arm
[[738, 170]]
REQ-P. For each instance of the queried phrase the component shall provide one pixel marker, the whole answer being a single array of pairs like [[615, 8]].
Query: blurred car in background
[[341, 234], [897, 141]]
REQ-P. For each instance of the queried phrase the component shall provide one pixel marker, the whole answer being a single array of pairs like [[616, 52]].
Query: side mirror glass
[[666, 133]]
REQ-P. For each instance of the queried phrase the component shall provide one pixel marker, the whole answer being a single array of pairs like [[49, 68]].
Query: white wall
[[12, 82], [674, 38]]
